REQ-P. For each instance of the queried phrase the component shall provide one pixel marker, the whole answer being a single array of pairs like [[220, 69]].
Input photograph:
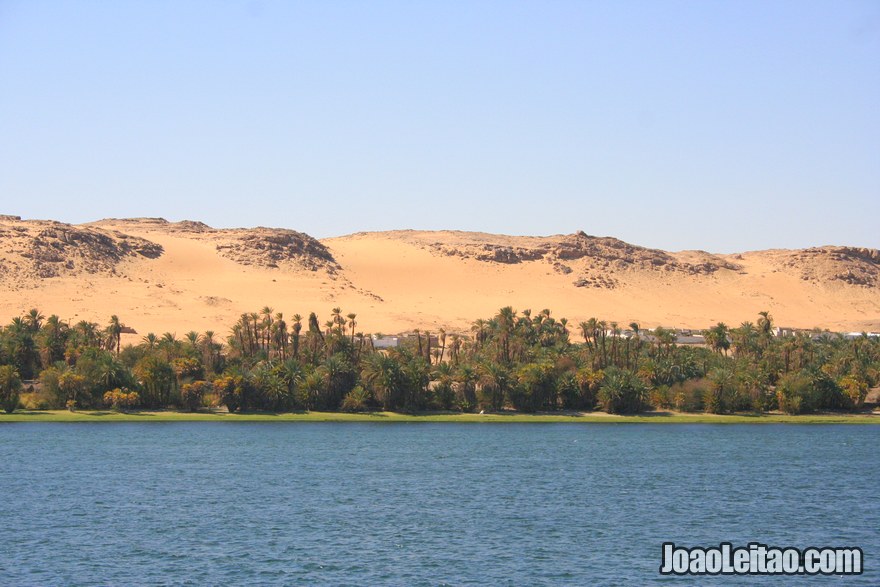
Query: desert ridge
[[161, 276]]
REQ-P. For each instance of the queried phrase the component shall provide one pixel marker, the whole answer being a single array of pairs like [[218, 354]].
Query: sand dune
[[175, 277]]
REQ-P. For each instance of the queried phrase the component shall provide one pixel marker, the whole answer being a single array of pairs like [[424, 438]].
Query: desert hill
[[163, 276]]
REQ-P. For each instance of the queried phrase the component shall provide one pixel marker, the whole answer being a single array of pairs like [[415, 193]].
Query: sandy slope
[[401, 280], [452, 291]]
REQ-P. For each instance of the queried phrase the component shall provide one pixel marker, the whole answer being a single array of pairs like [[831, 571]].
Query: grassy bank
[[587, 418]]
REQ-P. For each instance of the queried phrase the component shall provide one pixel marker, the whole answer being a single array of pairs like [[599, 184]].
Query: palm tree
[[156, 378], [193, 338], [745, 339], [454, 349], [602, 328], [337, 320], [585, 330], [360, 346], [114, 331], [615, 336], [664, 338], [34, 320], [427, 354], [111, 373], [53, 335], [479, 330], [418, 334], [444, 376], [382, 375], [150, 340], [466, 378], [718, 400], [765, 323], [211, 351], [236, 338], [442, 339], [315, 337], [765, 329], [168, 343], [10, 388], [352, 323], [636, 330], [297, 327], [717, 338], [86, 334], [256, 333], [242, 331], [506, 319], [292, 374], [279, 335], [267, 327], [497, 378]]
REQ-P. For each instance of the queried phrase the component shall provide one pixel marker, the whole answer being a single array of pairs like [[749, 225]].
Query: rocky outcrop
[[275, 247], [254, 247], [151, 224], [597, 258], [850, 265], [45, 249]]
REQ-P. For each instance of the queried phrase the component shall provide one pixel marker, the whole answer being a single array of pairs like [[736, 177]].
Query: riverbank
[[510, 417]]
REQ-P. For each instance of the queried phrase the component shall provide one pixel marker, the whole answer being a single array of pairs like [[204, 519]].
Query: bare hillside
[[178, 276]]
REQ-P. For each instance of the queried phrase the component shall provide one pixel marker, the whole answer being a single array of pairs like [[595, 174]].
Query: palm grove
[[523, 361]]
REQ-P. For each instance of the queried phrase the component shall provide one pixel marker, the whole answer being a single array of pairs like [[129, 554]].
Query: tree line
[[522, 361]]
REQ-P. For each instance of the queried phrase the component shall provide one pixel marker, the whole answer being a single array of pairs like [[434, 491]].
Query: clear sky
[[717, 125]]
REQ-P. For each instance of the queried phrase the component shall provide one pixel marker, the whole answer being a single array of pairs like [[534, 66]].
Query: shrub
[[121, 399], [829, 393], [796, 393], [854, 390], [688, 395], [35, 401], [186, 368], [229, 391], [466, 406], [444, 395], [589, 382], [50, 387], [356, 400], [191, 394], [661, 397], [73, 387], [10, 388], [536, 388], [752, 394], [719, 397], [622, 392]]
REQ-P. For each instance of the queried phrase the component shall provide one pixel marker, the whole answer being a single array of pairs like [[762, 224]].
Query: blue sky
[[723, 126]]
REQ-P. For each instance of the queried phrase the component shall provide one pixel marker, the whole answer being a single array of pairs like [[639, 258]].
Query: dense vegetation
[[523, 361]]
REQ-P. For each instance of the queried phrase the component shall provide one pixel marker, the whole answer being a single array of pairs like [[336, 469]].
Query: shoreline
[[664, 417]]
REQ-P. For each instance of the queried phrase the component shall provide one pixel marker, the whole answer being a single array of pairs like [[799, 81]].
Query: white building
[[385, 342]]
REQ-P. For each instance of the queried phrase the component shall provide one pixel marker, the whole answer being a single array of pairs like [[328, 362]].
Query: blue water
[[422, 504]]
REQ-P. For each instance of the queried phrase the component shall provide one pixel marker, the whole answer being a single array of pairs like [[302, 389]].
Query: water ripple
[[444, 504]]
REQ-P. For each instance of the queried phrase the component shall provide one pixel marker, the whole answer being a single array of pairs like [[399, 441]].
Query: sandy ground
[[394, 284]]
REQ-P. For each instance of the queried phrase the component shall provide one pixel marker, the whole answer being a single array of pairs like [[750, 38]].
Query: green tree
[[192, 394], [622, 392], [10, 388], [383, 377], [796, 393], [717, 338], [114, 332], [719, 398], [156, 378], [495, 380]]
